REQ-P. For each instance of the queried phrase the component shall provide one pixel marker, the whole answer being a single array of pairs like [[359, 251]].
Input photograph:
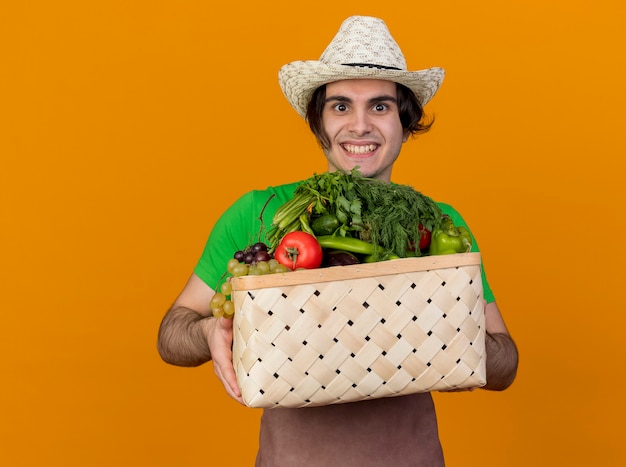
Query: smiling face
[[362, 123]]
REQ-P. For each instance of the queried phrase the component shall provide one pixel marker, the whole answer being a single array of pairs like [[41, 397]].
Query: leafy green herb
[[382, 213], [392, 214], [326, 193]]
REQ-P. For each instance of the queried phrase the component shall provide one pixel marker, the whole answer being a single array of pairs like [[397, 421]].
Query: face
[[362, 122]]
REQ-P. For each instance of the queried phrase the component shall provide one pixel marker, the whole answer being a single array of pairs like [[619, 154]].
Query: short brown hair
[[412, 116]]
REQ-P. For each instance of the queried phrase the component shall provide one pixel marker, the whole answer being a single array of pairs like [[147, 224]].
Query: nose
[[360, 122]]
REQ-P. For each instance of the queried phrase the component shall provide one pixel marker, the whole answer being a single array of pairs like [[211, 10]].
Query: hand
[[219, 334]]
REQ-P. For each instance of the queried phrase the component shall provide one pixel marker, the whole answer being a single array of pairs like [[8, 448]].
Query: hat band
[[369, 65]]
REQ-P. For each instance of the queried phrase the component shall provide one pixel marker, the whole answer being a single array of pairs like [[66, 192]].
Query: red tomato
[[299, 250], [425, 235]]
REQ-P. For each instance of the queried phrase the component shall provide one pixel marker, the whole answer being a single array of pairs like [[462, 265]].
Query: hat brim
[[299, 80]]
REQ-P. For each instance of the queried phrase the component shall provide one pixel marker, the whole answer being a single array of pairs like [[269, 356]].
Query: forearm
[[501, 361], [182, 339]]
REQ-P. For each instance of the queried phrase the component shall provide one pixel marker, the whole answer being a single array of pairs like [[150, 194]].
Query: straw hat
[[363, 48]]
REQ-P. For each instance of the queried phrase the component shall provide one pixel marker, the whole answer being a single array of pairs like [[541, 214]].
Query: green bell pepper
[[448, 239]]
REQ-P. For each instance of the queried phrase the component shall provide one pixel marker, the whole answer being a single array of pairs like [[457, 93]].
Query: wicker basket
[[349, 333]]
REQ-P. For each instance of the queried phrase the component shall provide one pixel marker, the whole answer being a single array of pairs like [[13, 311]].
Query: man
[[362, 104]]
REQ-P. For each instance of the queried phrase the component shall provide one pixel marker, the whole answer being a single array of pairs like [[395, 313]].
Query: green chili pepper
[[353, 245], [448, 239]]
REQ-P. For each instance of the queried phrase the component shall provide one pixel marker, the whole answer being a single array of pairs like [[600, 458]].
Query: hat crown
[[365, 41], [363, 48]]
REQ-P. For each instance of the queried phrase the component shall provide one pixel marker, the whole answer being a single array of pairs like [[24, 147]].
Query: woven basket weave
[[349, 333]]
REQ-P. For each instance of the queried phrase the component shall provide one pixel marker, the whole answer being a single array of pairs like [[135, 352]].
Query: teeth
[[352, 149]]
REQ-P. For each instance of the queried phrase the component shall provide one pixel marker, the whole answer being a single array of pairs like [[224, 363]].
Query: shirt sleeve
[[231, 232], [238, 227]]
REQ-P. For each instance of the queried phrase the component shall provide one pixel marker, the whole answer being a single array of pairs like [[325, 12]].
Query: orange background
[[127, 127]]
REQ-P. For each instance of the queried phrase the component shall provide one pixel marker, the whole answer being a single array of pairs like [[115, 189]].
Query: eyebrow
[[371, 101]]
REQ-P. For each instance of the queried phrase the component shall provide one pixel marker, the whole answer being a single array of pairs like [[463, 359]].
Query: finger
[[225, 323], [231, 387], [229, 378], [223, 359]]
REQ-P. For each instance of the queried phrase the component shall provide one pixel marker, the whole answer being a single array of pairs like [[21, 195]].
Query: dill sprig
[[393, 212]]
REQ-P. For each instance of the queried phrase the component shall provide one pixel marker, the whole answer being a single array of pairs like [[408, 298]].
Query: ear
[[405, 136]]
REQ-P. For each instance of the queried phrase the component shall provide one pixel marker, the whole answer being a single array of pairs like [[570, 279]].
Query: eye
[[380, 107], [341, 107]]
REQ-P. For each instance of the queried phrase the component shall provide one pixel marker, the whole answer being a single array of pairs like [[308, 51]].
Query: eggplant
[[340, 258]]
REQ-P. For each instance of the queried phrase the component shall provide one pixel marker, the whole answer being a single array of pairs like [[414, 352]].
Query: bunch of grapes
[[253, 254], [254, 260], [221, 304]]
